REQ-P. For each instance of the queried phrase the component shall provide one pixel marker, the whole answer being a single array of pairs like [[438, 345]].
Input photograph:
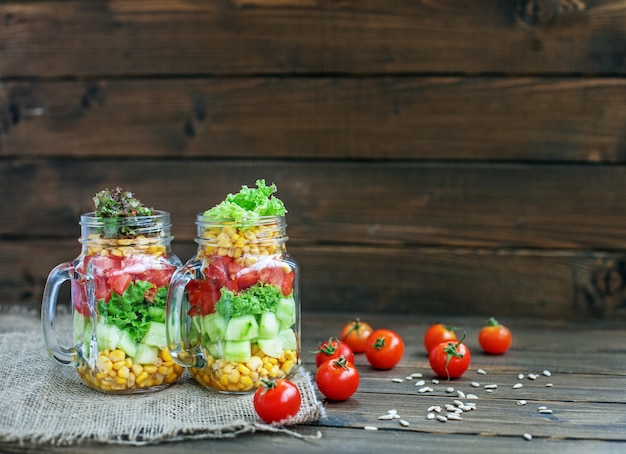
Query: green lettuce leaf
[[254, 300], [249, 204]]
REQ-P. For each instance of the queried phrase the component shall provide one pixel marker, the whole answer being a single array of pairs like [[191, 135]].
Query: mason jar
[[119, 285], [233, 310]]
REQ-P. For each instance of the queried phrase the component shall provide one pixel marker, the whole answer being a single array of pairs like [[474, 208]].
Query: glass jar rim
[[252, 220]]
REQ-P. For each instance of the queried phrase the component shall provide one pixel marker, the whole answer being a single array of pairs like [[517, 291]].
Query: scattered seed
[[521, 403], [520, 376], [549, 385], [472, 396], [430, 416], [397, 380], [488, 390], [404, 423], [392, 411], [449, 390], [387, 417], [460, 394], [441, 418], [546, 411], [542, 408], [416, 375], [450, 407], [425, 389], [527, 437], [475, 384], [547, 373], [433, 408], [491, 386], [467, 408], [408, 378], [435, 381], [481, 372], [454, 417], [420, 383], [532, 376], [517, 386], [370, 428], [458, 403]]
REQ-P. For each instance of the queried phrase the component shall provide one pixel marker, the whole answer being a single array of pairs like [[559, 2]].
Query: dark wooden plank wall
[[434, 156]]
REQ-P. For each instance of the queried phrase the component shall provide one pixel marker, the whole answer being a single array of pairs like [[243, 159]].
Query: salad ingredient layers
[[126, 269], [243, 309]]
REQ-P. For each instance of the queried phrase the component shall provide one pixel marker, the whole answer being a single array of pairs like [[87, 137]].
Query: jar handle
[[177, 326], [59, 274]]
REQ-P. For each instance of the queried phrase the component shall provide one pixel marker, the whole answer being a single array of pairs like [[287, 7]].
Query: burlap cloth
[[43, 403]]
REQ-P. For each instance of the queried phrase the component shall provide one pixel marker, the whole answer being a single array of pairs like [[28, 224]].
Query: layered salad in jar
[[243, 307], [119, 295]]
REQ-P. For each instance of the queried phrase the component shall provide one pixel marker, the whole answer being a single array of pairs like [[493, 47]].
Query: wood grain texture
[[435, 118], [78, 38]]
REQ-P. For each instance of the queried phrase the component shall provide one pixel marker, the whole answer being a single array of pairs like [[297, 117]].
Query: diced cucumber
[[288, 339], [215, 326], [241, 328], [78, 323], [237, 351], [107, 336], [216, 349], [268, 325], [146, 354], [286, 311], [127, 343], [271, 347], [155, 335], [156, 314]]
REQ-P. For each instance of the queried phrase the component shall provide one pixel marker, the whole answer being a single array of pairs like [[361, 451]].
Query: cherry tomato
[[355, 334], [337, 379], [384, 349], [450, 359], [332, 349], [119, 282], [438, 333], [495, 338], [276, 401]]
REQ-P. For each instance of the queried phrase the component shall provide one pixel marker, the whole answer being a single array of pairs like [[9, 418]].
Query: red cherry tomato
[[450, 359], [278, 400], [384, 349], [332, 349], [355, 334], [337, 379], [495, 338], [438, 333]]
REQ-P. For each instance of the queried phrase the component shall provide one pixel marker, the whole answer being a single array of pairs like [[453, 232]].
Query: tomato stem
[[341, 362], [379, 344], [328, 348], [493, 322]]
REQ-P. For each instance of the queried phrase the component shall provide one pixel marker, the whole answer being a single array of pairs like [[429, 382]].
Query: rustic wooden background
[[457, 156]]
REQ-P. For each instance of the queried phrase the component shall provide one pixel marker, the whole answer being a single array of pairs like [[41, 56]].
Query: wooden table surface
[[587, 396]]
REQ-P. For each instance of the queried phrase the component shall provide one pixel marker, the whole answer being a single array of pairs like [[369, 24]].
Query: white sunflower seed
[[450, 407], [517, 386], [370, 428], [420, 383], [547, 411], [416, 375], [494, 386], [527, 437], [408, 378], [549, 385], [521, 403], [542, 408], [441, 418], [404, 423], [425, 389], [434, 381], [547, 373], [488, 390], [460, 394], [387, 417], [481, 372], [454, 417], [458, 403], [532, 376], [450, 389], [467, 408], [430, 416], [475, 384], [472, 396], [397, 380], [520, 376]]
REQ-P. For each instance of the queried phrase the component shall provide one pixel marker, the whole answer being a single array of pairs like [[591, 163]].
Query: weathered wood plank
[[397, 204], [86, 38], [413, 281], [502, 119]]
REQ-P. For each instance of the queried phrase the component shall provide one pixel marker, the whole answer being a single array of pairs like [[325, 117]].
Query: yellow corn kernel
[[290, 354], [128, 362], [165, 354], [150, 368], [117, 252], [287, 366], [163, 370], [274, 371], [120, 381], [130, 382], [243, 370], [228, 231], [137, 369], [118, 365], [247, 382], [142, 377], [228, 368], [224, 380]]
